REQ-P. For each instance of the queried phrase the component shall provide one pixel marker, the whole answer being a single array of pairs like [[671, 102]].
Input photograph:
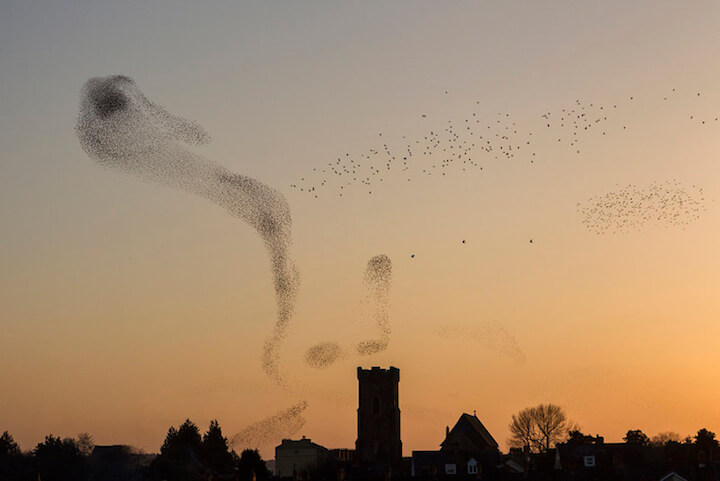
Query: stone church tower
[[378, 438]]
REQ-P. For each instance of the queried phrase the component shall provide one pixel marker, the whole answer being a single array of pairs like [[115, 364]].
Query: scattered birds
[[465, 145], [491, 336], [468, 144]]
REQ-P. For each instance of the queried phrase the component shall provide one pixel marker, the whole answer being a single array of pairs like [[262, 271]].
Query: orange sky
[[126, 307]]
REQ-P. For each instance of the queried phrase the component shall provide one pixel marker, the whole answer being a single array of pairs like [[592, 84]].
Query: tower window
[[376, 405]]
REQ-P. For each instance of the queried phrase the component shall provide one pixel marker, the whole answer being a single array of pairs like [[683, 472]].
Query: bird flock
[[458, 147], [632, 207], [465, 146], [377, 279], [121, 129], [490, 335], [267, 432], [439, 152]]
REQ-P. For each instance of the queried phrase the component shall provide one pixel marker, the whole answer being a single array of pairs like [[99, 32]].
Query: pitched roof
[[299, 443], [673, 476], [470, 426]]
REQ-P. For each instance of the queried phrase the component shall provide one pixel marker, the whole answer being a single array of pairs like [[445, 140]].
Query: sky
[[127, 307]]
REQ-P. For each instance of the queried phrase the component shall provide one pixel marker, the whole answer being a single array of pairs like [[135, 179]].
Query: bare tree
[[538, 428], [571, 426], [550, 420], [523, 430], [661, 439]]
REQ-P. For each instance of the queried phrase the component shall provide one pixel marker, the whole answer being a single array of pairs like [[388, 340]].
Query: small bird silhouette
[[463, 241], [531, 241], [412, 256]]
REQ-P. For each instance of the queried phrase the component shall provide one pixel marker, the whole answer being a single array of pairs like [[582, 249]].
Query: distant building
[[118, 463], [595, 459], [467, 451], [468, 435], [295, 458], [378, 415], [270, 465]]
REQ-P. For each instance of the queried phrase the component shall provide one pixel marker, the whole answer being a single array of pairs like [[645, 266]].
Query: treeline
[[185, 455], [539, 428]]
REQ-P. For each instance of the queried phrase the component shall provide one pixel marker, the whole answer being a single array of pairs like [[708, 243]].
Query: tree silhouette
[[576, 437], [523, 431], [11, 458], [59, 460], [216, 454], [251, 466], [85, 443], [705, 439], [8, 446], [538, 428], [636, 437], [180, 455], [661, 439], [551, 420]]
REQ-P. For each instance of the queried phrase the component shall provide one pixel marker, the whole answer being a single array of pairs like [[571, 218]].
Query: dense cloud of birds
[[323, 354], [630, 208], [122, 130], [267, 432], [377, 279]]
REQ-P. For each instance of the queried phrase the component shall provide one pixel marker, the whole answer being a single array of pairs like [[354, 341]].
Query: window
[[449, 469], [589, 461], [472, 466], [376, 405]]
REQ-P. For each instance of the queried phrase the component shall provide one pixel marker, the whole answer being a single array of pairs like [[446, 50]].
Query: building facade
[[378, 415], [294, 458]]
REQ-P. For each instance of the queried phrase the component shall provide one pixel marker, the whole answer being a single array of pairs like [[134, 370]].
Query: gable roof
[[673, 476], [470, 426]]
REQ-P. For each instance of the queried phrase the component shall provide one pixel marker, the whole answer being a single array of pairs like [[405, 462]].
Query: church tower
[[378, 438]]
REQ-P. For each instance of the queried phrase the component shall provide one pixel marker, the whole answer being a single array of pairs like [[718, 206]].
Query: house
[[468, 435], [296, 457], [468, 451], [118, 463]]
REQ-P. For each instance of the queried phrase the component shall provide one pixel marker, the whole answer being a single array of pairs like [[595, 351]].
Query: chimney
[[447, 431]]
